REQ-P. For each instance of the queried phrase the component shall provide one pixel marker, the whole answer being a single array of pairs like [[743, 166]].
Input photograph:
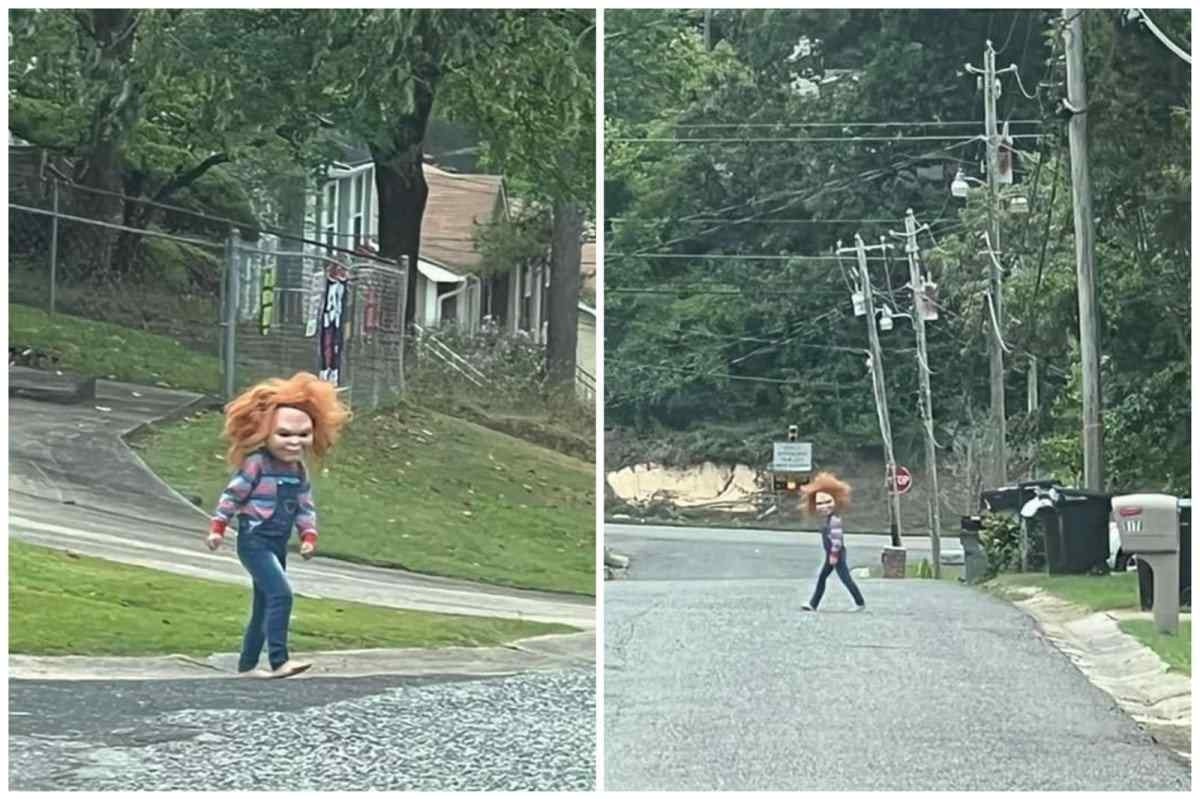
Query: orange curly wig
[[831, 485], [249, 417]]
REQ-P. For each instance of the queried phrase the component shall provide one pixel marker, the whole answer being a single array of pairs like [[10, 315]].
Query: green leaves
[[532, 98]]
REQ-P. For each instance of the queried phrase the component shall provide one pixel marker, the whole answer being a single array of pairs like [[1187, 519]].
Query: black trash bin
[[1146, 576], [1084, 519], [1057, 558], [975, 560]]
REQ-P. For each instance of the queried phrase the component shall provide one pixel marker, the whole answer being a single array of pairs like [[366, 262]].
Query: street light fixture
[[960, 187], [887, 315]]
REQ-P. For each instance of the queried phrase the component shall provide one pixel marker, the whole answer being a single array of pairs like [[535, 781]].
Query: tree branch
[[181, 180]]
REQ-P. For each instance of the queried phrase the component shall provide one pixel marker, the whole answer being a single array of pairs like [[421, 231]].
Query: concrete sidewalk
[[75, 485], [1137, 679]]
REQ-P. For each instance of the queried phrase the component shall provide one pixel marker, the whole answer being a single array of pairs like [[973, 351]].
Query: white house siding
[[585, 340]]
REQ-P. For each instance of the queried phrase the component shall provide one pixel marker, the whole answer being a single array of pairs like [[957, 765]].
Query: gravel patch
[[532, 731]]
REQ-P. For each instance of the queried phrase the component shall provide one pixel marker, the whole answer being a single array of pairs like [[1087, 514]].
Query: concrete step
[[44, 386]]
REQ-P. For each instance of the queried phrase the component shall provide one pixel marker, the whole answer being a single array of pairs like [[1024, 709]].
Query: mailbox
[[1147, 523], [1149, 526]]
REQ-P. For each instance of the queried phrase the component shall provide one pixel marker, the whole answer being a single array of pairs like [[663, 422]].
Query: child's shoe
[[289, 669]]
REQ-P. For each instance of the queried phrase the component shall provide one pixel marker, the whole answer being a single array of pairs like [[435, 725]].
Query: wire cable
[[801, 139], [935, 123], [832, 186], [725, 256], [1162, 37]]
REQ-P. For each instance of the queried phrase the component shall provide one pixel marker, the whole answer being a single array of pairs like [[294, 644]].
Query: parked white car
[[1118, 561]]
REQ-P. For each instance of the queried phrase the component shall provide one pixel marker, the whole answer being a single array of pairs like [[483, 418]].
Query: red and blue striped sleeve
[[306, 519], [836, 535], [240, 486]]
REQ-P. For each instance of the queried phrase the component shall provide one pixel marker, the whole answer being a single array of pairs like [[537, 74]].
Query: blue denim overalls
[[263, 551]]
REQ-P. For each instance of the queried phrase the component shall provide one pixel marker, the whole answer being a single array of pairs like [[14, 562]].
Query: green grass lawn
[[62, 604], [411, 488], [1176, 650], [100, 349], [1117, 591], [1097, 593]]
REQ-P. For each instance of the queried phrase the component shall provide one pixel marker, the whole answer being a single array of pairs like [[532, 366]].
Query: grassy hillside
[[412, 488]]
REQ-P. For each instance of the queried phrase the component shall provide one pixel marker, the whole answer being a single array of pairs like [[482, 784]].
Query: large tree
[[688, 356], [148, 103], [533, 101], [378, 73]]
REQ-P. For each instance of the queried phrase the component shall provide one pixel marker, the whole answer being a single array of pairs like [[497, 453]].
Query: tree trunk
[[112, 32], [563, 316], [402, 190]]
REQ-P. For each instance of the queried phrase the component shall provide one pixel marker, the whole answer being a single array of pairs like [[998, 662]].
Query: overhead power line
[[803, 139], [722, 256], [794, 197], [966, 122], [1162, 37], [792, 140], [741, 378], [897, 220]]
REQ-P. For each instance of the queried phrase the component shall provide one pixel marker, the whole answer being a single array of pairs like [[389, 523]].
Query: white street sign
[[792, 456]]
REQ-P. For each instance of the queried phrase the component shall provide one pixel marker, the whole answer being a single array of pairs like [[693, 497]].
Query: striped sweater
[[252, 492], [833, 535]]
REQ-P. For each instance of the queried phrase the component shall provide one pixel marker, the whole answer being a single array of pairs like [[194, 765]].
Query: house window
[[329, 213], [358, 208], [369, 204]]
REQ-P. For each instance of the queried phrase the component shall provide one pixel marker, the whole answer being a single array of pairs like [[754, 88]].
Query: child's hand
[[307, 550], [214, 541], [833, 559]]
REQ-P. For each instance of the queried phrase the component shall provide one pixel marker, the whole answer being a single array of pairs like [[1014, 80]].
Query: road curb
[[202, 402], [538, 653], [1132, 674]]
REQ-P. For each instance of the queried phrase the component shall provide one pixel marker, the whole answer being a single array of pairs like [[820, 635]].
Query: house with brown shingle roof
[[452, 283]]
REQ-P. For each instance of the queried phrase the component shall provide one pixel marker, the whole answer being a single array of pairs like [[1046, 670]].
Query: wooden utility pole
[[996, 353], [881, 404], [708, 29], [1085, 268], [918, 289]]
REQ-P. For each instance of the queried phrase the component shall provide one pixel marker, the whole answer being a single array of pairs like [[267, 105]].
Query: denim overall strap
[[287, 507]]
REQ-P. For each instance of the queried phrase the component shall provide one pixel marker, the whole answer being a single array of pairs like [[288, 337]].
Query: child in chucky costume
[[272, 428], [827, 496]]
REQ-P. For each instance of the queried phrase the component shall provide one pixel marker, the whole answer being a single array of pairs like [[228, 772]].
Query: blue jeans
[[265, 557], [843, 571]]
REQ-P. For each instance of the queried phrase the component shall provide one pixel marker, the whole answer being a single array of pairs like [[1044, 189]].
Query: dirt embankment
[[722, 493]]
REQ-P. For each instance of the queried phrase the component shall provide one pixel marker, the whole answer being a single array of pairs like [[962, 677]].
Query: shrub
[[1001, 539]]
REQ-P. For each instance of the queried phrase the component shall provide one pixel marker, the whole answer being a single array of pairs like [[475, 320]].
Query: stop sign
[[903, 480]]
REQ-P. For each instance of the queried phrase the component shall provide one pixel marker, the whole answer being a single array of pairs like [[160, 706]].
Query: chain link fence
[[341, 317], [260, 304]]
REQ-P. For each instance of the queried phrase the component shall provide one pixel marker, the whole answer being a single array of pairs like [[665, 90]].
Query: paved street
[[716, 680], [533, 731]]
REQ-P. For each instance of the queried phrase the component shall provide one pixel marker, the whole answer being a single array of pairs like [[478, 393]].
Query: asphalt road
[[716, 680], [534, 731]]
